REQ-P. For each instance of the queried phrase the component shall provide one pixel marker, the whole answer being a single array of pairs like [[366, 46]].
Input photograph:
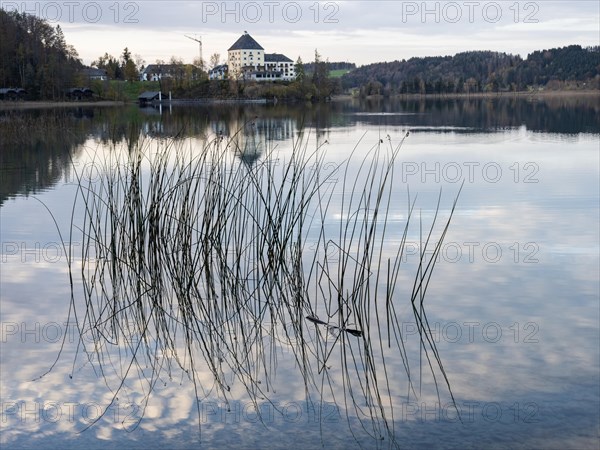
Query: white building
[[218, 72], [246, 59], [92, 73], [155, 72], [276, 62], [245, 54]]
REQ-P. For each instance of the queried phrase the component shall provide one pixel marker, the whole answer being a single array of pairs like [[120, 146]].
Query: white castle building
[[247, 60]]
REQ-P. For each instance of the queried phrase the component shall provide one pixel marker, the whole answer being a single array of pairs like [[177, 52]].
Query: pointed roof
[[245, 42]]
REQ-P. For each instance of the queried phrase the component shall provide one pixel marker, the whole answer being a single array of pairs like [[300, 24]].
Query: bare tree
[[139, 61], [177, 69], [199, 63], [215, 60]]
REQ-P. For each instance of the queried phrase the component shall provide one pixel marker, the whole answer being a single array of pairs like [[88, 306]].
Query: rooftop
[[276, 57], [93, 71], [148, 95], [245, 42], [159, 68]]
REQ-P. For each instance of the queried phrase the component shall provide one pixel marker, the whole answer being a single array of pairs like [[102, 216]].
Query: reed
[[196, 261]]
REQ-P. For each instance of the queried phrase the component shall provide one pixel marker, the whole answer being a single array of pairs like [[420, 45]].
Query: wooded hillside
[[35, 56], [480, 71]]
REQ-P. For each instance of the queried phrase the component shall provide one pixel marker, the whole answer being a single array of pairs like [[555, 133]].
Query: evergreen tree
[[299, 70], [320, 77]]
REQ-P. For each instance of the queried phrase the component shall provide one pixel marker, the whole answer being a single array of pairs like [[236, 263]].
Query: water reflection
[[36, 151], [207, 268], [37, 147], [564, 115], [539, 377]]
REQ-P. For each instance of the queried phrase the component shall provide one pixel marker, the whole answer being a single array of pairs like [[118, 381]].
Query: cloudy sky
[[358, 31]]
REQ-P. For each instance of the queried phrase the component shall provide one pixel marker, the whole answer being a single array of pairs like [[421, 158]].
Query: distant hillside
[[480, 71]]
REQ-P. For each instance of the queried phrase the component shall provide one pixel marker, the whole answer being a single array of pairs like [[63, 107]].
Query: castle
[[247, 60]]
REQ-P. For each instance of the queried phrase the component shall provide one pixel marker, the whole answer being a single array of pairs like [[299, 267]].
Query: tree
[[59, 40], [35, 56], [320, 77], [199, 63], [177, 70], [130, 71], [110, 64], [126, 56], [299, 70], [139, 61], [214, 60]]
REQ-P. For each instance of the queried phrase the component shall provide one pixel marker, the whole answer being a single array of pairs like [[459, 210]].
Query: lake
[[362, 273]]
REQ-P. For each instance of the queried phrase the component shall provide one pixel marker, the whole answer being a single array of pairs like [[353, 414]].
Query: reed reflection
[[209, 266]]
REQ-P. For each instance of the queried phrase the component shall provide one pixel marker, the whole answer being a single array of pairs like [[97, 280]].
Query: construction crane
[[198, 40]]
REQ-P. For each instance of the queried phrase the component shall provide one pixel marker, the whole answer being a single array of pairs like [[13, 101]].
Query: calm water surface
[[512, 306]]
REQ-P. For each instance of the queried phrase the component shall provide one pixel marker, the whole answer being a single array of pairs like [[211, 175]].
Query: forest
[[35, 56], [480, 71]]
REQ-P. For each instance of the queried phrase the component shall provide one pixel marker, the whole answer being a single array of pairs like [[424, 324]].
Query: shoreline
[[21, 105], [210, 101], [484, 95], [38, 104]]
